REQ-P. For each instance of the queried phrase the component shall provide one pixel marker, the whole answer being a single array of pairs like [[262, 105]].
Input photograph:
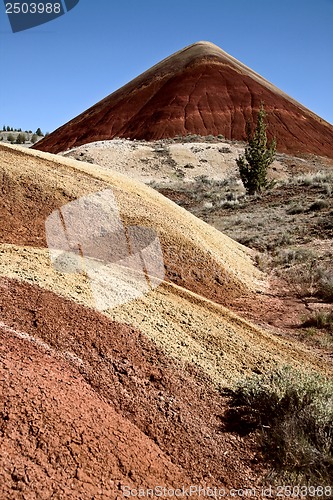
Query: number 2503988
[[33, 8]]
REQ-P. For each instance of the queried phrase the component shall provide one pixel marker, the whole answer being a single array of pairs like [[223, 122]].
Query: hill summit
[[199, 90]]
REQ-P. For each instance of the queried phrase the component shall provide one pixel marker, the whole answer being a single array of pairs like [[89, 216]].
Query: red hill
[[199, 90]]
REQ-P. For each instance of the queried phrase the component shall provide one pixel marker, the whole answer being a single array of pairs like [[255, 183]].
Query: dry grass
[[316, 179], [320, 319]]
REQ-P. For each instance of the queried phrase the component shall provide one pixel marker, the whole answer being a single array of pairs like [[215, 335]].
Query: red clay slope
[[84, 396], [59, 439], [199, 90]]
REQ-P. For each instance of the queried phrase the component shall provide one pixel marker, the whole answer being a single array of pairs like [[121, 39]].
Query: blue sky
[[53, 72]]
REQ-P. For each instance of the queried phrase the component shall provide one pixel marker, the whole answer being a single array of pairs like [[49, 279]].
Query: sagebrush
[[292, 414]]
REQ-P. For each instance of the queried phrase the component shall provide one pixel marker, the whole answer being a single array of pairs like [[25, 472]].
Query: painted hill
[[93, 401], [198, 90]]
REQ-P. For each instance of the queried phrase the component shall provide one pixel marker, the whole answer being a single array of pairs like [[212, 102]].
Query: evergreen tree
[[39, 132], [21, 138], [258, 156]]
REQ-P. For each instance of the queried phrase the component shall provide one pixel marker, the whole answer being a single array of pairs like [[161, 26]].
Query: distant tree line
[[7, 128], [20, 137]]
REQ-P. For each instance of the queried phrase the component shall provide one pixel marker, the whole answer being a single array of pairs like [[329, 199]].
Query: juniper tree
[[253, 165], [21, 138]]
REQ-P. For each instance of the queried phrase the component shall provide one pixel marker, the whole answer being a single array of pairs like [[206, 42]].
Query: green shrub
[[292, 413], [258, 156], [21, 138]]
